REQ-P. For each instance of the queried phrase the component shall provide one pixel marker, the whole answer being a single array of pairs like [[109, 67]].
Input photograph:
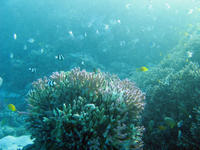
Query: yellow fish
[[186, 34], [162, 128], [11, 107], [168, 56], [170, 122], [190, 25], [143, 69]]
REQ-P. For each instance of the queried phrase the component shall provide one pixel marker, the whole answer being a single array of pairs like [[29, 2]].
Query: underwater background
[[138, 59]]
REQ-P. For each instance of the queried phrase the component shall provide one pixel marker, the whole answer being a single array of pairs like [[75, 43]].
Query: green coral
[[172, 90], [83, 110]]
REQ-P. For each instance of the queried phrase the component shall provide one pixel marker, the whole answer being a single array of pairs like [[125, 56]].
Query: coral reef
[[172, 91], [85, 110], [176, 100]]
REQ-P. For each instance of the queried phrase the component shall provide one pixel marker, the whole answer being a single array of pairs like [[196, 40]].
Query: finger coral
[[85, 111]]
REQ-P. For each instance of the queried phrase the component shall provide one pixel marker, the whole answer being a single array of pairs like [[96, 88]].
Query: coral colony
[[85, 110]]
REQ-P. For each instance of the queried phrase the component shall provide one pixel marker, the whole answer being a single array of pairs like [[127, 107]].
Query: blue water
[[115, 36]]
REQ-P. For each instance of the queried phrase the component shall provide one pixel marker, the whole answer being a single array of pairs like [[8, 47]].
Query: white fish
[[115, 21], [42, 50], [71, 33], [167, 5], [189, 54], [91, 106], [106, 27], [180, 124], [11, 55], [150, 6], [32, 69], [119, 21], [97, 31], [25, 47], [59, 57], [179, 134], [90, 23], [153, 45], [190, 11], [15, 36], [1, 81], [150, 28], [128, 6], [122, 43], [31, 40]]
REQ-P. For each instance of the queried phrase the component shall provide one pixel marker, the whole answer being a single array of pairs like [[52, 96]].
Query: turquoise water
[[114, 36]]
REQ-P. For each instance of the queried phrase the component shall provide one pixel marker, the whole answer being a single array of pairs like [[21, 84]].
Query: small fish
[[186, 34], [15, 36], [96, 70], [31, 40], [91, 106], [25, 47], [162, 128], [82, 63], [187, 60], [32, 69], [59, 57], [153, 45], [11, 55], [170, 122], [190, 11], [71, 33], [190, 25], [167, 5], [97, 31], [51, 83], [179, 134], [189, 54], [127, 6], [11, 107], [122, 43], [142, 69], [1, 81], [42, 50], [180, 124], [106, 26]]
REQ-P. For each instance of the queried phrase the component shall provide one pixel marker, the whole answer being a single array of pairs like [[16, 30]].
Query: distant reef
[[172, 112]]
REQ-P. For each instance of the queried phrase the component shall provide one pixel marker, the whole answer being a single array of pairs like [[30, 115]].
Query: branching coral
[[83, 110]]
